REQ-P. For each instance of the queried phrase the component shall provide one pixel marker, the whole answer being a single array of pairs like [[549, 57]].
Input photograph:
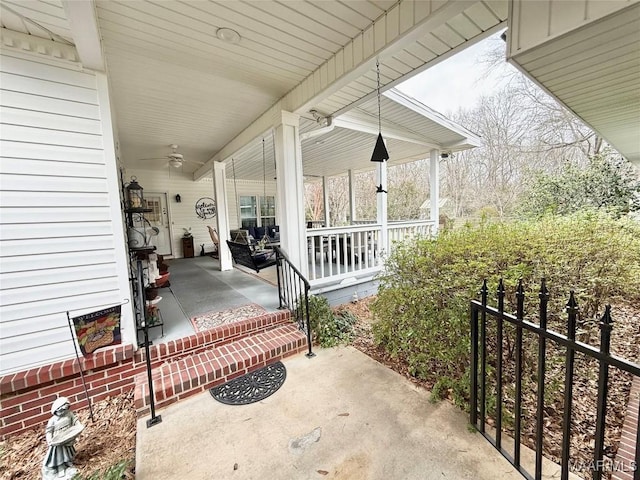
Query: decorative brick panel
[[625, 461]]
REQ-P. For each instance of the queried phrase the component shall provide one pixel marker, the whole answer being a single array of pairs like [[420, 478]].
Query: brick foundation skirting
[[625, 462], [26, 396]]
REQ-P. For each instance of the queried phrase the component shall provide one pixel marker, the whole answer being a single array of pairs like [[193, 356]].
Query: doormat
[[209, 320], [252, 387]]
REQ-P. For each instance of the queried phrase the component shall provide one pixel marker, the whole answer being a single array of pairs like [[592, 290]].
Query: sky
[[459, 81]]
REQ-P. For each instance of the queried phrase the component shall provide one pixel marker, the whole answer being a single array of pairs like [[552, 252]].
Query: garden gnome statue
[[61, 432]]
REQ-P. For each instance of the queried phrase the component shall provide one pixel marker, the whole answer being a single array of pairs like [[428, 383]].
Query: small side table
[[187, 247]]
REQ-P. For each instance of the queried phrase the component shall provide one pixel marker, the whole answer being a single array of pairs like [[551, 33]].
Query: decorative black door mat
[[252, 387]]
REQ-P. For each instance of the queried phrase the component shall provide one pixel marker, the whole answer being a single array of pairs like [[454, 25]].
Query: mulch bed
[[108, 440]]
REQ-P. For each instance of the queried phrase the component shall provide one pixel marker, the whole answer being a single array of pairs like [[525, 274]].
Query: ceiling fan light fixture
[[228, 35], [175, 163]]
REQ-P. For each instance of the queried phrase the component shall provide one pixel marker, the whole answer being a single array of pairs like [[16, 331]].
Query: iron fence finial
[[520, 300], [500, 293], [484, 292], [572, 313]]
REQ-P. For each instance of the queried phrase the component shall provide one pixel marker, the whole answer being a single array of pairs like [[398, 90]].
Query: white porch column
[[382, 207], [290, 189], [352, 197], [434, 189], [222, 218], [325, 199]]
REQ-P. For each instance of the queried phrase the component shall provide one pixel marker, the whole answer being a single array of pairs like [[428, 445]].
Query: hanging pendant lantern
[[380, 153]]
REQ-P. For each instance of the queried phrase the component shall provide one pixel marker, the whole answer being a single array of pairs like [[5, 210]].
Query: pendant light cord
[[264, 174], [235, 188], [379, 116]]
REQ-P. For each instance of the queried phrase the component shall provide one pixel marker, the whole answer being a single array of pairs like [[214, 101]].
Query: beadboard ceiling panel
[[444, 40], [335, 152], [174, 81], [595, 72]]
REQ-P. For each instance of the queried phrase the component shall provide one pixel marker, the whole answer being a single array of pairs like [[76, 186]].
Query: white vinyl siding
[[58, 249]]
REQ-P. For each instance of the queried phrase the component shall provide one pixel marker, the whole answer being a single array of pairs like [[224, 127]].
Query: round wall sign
[[206, 208]]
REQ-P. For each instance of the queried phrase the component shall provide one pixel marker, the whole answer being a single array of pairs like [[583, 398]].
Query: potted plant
[[187, 232]]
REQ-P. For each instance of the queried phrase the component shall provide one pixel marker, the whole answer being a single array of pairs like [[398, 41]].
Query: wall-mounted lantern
[[178, 198], [135, 197]]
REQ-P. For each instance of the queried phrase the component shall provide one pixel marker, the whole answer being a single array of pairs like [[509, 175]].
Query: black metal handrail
[[481, 313], [293, 293]]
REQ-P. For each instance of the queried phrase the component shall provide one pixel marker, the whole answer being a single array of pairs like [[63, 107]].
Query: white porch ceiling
[[410, 128], [174, 82]]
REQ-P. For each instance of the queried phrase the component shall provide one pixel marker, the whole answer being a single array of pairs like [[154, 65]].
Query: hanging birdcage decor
[[134, 196]]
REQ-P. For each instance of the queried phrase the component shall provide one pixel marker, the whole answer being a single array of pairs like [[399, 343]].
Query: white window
[[257, 211]]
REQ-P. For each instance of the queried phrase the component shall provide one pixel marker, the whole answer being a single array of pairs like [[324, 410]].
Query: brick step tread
[[220, 335], [203, 370]]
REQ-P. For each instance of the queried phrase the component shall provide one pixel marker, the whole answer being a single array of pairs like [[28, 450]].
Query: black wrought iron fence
[[293, 293], [484, 371]]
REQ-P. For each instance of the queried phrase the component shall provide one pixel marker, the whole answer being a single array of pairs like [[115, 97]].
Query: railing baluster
[[572, 314], [518, 372], [542, 351], [309, 334], [484, 292], [603, 387], [278, 271], [499, 341]]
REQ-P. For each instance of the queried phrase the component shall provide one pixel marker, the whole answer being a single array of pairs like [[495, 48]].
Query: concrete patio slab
[[340, 415]]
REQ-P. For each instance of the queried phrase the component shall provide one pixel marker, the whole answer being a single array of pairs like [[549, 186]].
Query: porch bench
[[243, 255]]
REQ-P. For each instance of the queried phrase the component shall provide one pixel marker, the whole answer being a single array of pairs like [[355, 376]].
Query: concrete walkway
[[340, 415]]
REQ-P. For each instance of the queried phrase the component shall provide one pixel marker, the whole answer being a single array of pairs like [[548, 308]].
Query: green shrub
[[423, 301], [329, 329]]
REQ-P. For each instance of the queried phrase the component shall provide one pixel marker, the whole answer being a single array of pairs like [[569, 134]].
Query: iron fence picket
[[483, 365], [480, 314], [499, 341], [572, 315], [603, 387], [518, 374], [474, 367], [542, 352]]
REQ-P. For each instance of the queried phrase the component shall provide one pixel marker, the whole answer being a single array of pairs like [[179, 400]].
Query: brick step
[[217, 336], [202, 370]]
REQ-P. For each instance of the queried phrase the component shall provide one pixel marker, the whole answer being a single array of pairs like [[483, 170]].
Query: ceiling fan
[[174, 158]]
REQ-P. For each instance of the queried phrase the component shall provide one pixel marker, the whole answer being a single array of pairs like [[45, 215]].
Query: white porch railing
[[339, 253], [400, 231]]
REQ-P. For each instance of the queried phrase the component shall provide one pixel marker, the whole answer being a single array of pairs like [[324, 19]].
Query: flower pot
[[150, 293]]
